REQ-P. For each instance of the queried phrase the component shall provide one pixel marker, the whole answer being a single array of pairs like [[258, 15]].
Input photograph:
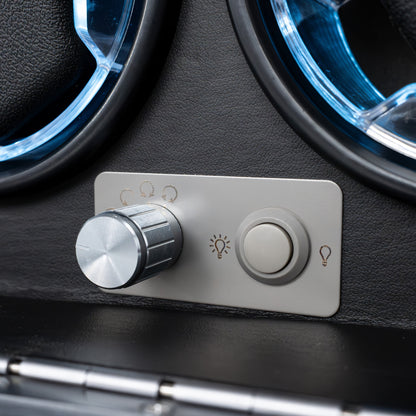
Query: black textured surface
[[208, 115], [357, 365], [403, 13], [42, 60]]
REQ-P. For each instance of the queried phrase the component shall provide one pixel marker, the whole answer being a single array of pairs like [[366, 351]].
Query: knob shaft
[[128, 245]]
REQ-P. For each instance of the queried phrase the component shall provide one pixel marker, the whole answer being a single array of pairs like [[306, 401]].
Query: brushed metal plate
[[208, 206]]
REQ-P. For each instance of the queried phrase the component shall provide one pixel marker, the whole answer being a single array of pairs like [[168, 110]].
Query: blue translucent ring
[[128, 40], [314, 35], [104, 47], [300, 54]]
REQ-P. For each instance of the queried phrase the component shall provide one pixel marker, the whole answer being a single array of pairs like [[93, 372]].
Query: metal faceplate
[[211, 209]]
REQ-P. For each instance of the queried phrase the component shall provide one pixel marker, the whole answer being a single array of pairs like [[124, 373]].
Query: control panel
[[259, 243]]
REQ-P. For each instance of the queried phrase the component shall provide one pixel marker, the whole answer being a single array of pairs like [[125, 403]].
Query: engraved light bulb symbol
[[220, 245], [325, 252]]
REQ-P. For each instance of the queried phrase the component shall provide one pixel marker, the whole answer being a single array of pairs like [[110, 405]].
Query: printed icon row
[[147, 190]]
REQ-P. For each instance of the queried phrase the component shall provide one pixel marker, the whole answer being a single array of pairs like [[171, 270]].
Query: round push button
[[272, 246], [267, 248]]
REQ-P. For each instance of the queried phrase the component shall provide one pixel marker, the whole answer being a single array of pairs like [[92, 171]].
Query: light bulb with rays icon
[[220, 245]]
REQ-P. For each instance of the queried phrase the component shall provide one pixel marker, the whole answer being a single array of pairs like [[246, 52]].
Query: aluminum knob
[[128, 245]]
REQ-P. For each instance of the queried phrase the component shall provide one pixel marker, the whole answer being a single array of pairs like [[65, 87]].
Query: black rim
[[308, 120]]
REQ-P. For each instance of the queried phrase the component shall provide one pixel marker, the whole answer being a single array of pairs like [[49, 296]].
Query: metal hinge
[[182, 391]]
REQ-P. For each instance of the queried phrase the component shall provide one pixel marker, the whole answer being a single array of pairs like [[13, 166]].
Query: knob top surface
[[108, 250]]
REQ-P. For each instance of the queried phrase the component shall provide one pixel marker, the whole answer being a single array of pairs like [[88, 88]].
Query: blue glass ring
[[314, 34], [299, 53], [105, 44]]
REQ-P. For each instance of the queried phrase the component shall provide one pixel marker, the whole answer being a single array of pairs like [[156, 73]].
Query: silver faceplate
[[208, 206]]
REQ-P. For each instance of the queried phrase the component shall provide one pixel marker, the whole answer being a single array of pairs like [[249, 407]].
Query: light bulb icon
[[220, 245], [325, 252]]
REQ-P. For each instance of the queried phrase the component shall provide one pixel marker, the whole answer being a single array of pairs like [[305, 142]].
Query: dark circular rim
[[306, 118], [157, 26]]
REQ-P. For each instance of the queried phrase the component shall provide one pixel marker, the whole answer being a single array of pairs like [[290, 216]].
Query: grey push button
[[267, 248], [272, 246]]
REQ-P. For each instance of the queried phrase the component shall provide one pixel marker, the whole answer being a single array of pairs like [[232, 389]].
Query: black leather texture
[[43, 63], [403, 13], [355, 365], [208, 115]]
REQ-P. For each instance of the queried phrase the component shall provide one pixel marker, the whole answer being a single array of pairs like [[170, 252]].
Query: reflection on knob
[[128, 245]]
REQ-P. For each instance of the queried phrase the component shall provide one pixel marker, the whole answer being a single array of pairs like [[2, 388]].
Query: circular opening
[[300, 50], [126, 43]]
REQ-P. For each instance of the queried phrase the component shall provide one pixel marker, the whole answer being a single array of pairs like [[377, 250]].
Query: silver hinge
[[189, 392]]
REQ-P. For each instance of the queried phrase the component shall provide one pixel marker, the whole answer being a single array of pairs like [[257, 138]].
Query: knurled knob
[[128, 245]]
